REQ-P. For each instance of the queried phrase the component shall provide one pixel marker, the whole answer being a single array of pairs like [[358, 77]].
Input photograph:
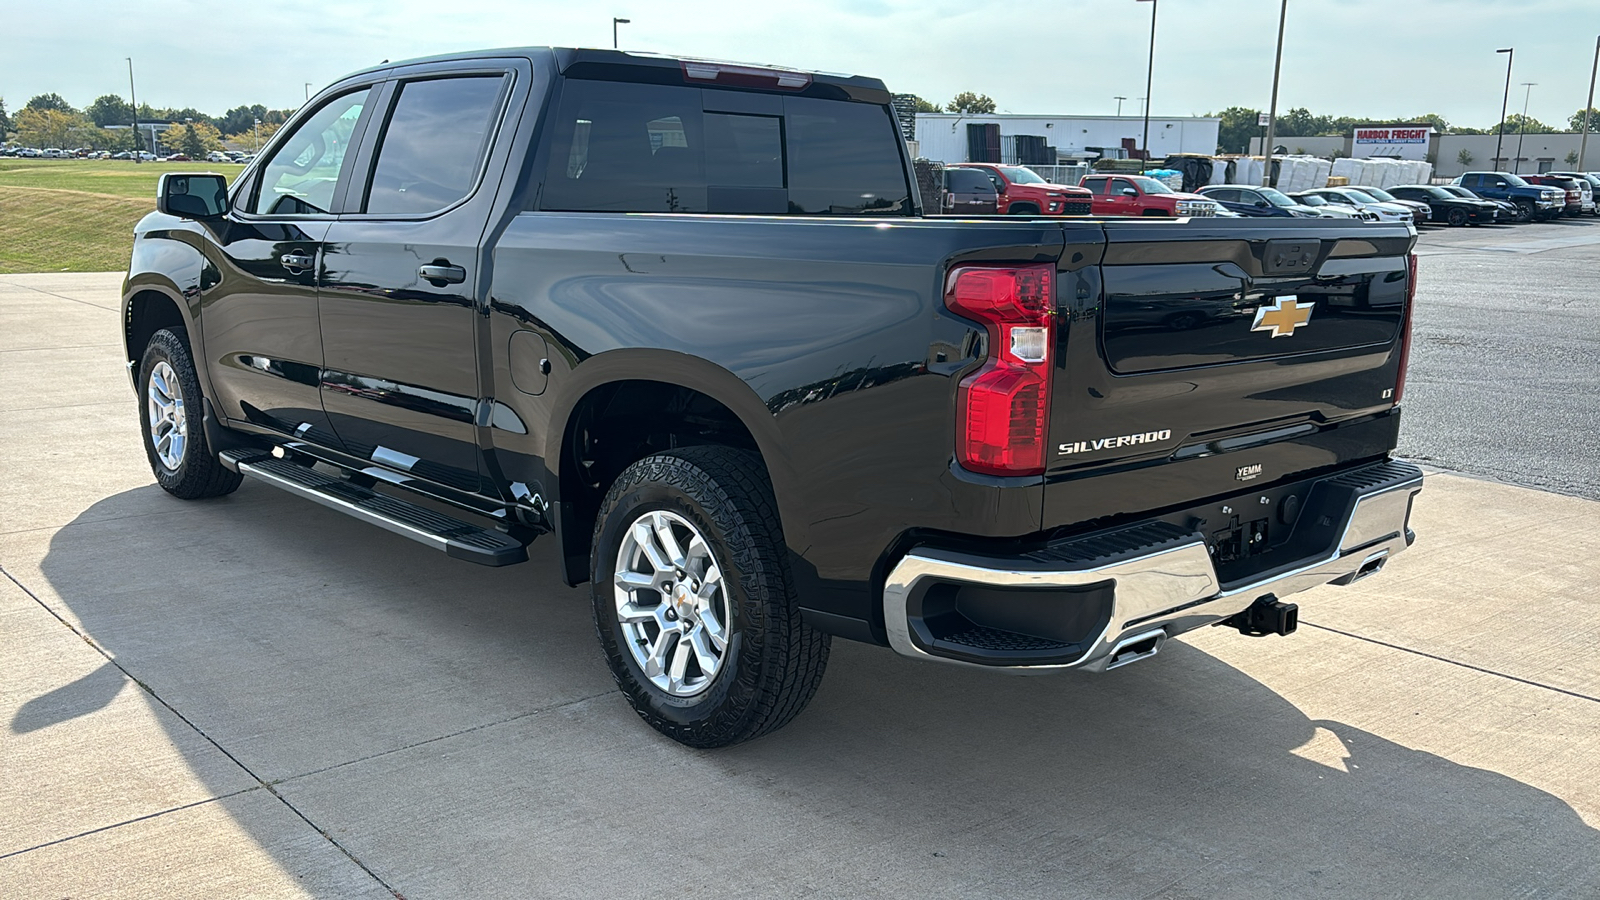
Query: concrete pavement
[[254, 696]]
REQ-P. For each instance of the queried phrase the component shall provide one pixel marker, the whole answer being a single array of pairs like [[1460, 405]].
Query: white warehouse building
[[977, 137]]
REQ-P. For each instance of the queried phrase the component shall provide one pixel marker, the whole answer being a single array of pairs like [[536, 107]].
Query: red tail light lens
[[1405, 334], [1003, 414]]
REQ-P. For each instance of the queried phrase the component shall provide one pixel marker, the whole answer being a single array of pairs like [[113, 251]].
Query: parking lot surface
[[1505, 353], [254, 696]]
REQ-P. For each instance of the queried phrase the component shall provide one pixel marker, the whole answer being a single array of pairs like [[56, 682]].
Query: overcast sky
[[1378, 58]]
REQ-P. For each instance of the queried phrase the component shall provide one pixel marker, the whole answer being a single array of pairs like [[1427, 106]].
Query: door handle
[[440, 273], [298, 259]]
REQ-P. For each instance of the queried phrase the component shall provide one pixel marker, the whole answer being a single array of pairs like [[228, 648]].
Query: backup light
[[1003, 409]]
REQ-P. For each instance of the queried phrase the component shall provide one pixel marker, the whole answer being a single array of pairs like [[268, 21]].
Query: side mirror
[[1262, 204], [1129, 192], [192, 196]]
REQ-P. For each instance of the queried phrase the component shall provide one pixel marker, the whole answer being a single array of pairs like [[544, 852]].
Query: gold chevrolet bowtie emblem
[[1283, 316]]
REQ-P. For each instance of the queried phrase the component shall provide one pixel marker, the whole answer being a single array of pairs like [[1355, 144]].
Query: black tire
[[198, 473], [773, 661], [1526, 211], [1022, 209], [1458, 217]]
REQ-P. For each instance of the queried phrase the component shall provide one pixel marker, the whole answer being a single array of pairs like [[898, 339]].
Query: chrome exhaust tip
[[1132, 649]]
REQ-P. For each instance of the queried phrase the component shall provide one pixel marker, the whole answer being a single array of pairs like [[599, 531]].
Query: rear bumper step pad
[[461, 540]]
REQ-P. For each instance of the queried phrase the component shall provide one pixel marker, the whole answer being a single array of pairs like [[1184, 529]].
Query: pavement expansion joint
[[63, 297], [260, 782], [1453, 662], [442, 737], [144, 818]]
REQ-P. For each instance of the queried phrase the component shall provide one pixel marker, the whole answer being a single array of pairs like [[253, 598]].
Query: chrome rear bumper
[[1156, 595]]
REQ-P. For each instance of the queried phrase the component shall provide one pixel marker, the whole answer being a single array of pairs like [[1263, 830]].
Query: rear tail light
[[1003, 409], [1405, 333]]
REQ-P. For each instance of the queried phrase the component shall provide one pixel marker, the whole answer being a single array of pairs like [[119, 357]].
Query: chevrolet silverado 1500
[[686, 319]]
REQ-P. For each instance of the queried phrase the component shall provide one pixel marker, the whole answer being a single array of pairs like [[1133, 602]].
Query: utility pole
[[1272, 112], [614, 23], [137, 144], [308, 92], [1149, 77], [1583, 145], [1511, 53], [1119, 105], [1516, 164]]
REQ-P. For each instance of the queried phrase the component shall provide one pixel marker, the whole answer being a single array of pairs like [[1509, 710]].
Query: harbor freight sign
[[1392, 141]]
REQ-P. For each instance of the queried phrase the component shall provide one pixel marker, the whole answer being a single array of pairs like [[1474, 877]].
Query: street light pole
[[614, 23], [1583, 146], [1272, 111], [1511, 53], [308, 92], [1516, 164], [1119, 105], [1149, 77], [258, 135], [135, 98]]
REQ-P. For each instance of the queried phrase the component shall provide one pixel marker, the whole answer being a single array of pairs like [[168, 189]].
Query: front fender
[[168, 260]]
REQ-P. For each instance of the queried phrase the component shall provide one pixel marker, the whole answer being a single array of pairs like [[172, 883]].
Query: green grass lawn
[[76, 215]]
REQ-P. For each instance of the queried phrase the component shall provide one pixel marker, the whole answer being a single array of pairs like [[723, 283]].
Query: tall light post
[[1149, 77], [308, 92], [257, 127], [1510, 53], [1516, 164], [1583, 145], [1119, 100], [614, 23], [1272, 111], [135, 98]]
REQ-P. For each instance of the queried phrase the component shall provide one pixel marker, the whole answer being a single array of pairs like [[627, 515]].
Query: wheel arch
[[685, 400], [149, 304]]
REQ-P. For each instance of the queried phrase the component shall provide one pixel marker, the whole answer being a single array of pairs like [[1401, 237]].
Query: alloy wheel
[[169, 425], [672, 603]]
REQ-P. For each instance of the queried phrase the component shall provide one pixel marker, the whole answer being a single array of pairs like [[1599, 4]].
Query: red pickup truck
[[1024, 193], [1141, 195]]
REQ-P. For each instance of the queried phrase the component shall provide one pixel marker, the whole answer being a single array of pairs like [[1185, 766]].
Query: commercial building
[[1049, 140]]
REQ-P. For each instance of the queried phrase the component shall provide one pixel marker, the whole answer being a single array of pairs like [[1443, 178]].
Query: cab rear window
[[624, 147]]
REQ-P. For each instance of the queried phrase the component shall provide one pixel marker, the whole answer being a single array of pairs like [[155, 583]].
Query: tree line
[[48, 120], [1239, 125]]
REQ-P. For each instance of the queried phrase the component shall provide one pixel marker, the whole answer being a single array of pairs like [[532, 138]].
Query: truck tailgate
[[1206, 358]]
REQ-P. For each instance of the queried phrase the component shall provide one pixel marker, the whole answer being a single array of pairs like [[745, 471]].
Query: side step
[[484, 546]]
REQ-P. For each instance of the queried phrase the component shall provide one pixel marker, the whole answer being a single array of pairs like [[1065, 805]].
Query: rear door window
[[433, 144], [623, 147]]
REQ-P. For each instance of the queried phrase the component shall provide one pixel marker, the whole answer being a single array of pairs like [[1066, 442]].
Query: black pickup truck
[[688, 319]]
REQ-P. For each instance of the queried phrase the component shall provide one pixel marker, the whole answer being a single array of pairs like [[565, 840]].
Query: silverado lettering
[[1148, 437], [724, 416]]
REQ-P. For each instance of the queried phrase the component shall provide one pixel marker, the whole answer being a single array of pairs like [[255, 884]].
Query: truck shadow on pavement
[[455, 729]]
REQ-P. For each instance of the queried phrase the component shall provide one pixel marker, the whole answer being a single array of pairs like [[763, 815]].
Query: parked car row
[[217, 156], [1476, 198]]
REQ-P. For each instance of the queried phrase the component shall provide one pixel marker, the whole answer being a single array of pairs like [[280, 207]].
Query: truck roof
[[626, 65]]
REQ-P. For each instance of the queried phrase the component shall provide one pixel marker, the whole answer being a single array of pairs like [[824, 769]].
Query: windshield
[[1311, 200], [1358, 196], [1378, 193], [1457, 190], [1438, 192], [1150, 185], [1514, 180], [1275, 197], [1020, 175]]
